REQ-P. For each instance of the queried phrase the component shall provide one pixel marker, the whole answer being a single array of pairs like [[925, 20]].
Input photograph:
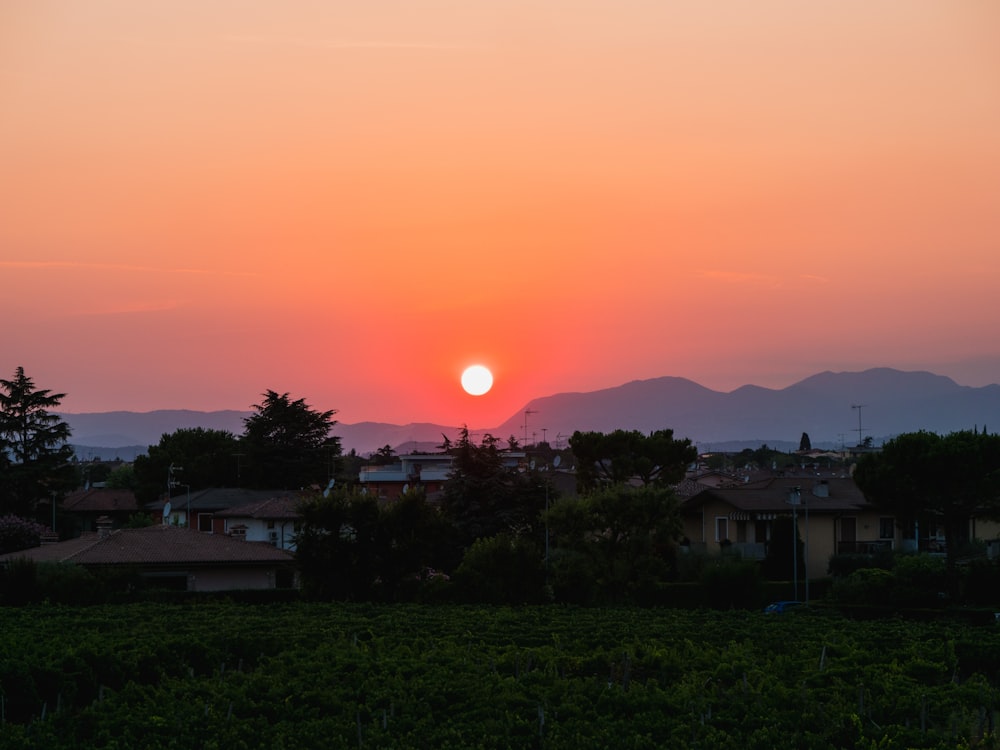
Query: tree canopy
[[201, 458], [619, 456], [484, 495], [34, 453], [288, 444], [945, 480], [614, 542]]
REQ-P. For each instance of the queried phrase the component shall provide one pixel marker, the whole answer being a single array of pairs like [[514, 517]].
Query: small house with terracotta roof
[[87, 505], [174, 557]]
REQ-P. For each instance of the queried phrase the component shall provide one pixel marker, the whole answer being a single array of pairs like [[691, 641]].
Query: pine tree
[[36, 455]]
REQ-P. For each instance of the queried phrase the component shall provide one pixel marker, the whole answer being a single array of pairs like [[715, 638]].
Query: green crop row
[[365, 676]]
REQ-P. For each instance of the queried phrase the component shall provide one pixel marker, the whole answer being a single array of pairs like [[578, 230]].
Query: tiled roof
[[100, 500], [274, 508], [156, 545], [221, 498], [772, 495]]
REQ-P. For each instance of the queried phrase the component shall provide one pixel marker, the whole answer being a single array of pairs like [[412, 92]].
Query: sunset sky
[[201, 200]]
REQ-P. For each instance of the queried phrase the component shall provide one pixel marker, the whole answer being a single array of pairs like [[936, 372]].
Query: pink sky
[[352, 201]]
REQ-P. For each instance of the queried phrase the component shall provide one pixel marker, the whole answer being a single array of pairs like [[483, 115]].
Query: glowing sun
[[477, 380]]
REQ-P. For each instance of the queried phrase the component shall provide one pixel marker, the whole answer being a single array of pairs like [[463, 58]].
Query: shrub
[[732, 583], [19, 582], [871, 587], [841, 566], [18, 533], [501, 570], [65, 583]]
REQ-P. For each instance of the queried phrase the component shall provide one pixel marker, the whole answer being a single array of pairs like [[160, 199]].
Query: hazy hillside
[[890, 401]]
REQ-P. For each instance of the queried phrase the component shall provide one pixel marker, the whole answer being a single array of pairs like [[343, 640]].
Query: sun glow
[[477, 380]]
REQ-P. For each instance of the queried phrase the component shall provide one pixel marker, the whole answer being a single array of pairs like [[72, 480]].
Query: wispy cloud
[[738, 277], [348, 44], [759, 279], [131, 309], [124, 267]]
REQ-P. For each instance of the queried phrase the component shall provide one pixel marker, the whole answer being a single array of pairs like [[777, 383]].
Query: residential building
[[173, 557], [87, 505], [274, 520], [833, 518], [427, 470]]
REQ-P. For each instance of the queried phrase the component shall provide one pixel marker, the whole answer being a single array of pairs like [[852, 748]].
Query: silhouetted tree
[[288, 444], [336, 546], [804, 443], [383, 456], [929, 478], [615, 457], [483, 496], [623, 538], [34, 453], [202, 458]]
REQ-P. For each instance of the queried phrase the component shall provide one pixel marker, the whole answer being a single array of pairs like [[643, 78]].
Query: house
[[199, 509], [427, 470], [274, 520], [832, 513], [87, 505], [173, 557]]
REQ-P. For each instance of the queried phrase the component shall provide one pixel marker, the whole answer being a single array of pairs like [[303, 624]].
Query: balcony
[[864, 548]]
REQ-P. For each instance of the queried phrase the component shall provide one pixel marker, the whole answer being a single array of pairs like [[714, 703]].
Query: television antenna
[[526, 413], [860, 431]]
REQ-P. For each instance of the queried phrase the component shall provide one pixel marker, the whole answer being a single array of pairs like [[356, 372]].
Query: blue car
[[777, 608]]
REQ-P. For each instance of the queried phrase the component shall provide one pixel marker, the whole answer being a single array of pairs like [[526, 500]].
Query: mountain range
[[833, 408]]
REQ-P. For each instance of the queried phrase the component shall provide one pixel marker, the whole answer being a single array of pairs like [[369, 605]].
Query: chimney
[[104, 525], [822, 489]]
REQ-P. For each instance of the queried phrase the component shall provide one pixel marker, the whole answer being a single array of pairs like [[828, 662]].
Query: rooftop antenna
[[860, 431], [526, 413]]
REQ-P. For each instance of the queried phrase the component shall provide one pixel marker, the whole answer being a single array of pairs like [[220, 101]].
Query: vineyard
[[225, 675]]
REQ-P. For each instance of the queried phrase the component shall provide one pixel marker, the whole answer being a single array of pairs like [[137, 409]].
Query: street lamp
[[795, 499]]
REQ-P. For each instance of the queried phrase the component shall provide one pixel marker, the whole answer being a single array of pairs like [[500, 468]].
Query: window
[[721, 528], [270, 524], [205, 522], [886, 528]]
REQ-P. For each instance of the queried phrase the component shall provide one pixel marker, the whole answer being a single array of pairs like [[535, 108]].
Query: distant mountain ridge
[[827, 406]]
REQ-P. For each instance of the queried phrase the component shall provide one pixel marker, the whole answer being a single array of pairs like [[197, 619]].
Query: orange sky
[[201, 200]]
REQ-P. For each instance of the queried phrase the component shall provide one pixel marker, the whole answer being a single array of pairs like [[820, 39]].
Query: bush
[[981, 582], [574, 577], [921, 581], [18, 533], [869, 587], [19, 582], [732, 583], [841, 566], [65, 583], [501, 570]]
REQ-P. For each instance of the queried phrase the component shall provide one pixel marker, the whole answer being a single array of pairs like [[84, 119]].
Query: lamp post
[[805, 558], [795, 499]]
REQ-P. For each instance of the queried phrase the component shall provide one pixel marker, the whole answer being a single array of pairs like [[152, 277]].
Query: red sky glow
[[352, 202]]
